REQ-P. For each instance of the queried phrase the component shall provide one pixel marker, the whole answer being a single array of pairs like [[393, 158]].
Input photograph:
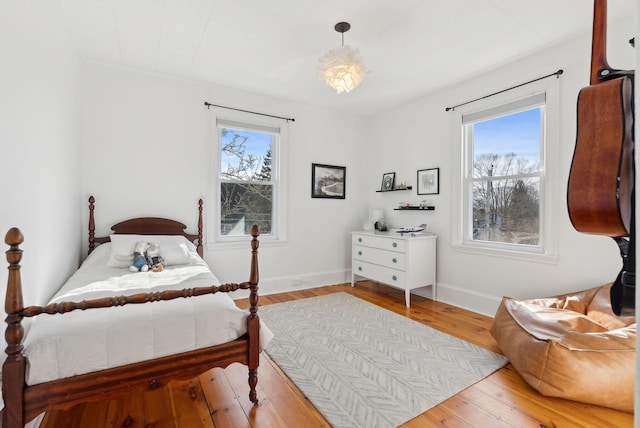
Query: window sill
[[507, 254], [244, 244]]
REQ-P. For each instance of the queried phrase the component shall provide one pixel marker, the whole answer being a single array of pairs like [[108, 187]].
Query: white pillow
[[98, 257], [122, 246], [174, 254], [173, 248]]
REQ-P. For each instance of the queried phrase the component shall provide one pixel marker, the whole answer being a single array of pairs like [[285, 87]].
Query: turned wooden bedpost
[[14, 366], [200, 247], [253, 321], [92, 225]]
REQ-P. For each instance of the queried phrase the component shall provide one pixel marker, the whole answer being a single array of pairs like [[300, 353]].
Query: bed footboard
[[23, 403]]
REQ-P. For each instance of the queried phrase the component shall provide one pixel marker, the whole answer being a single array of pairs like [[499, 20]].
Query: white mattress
[[59, 346]]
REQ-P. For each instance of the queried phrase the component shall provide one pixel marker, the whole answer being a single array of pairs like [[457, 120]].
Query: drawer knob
[[394, 277], [359, 239], [394, 245], [394, 260], [359, 267], [359, 253]]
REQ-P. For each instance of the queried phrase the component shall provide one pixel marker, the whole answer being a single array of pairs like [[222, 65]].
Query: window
[[504, 197], [248, 180]]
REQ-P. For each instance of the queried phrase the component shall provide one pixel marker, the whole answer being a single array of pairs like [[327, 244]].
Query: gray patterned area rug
[[365, 366]]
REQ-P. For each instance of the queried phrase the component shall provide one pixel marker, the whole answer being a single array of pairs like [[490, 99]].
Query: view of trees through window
[[505, 183], [246, 182]]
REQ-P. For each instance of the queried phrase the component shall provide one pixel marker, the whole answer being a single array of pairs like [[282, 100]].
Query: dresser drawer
[[377, 256], [392, 244], [379, 273]]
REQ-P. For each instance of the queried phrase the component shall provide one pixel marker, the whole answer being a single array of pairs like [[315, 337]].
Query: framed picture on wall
[[429, 181], [328, 181]]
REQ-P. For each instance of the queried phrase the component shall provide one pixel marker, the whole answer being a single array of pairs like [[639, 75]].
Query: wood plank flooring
[[219, 398]]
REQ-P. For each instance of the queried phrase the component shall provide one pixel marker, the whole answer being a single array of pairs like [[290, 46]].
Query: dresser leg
[[407, 297]]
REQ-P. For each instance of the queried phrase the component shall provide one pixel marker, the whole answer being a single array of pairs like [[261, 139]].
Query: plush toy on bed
[[139, 263], [153, 257]]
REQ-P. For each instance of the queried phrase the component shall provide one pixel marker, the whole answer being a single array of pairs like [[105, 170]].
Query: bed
[[109, 331]]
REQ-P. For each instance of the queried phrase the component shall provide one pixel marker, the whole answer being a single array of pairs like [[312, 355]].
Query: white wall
[[39, 142], [421, 135], [147, 142]]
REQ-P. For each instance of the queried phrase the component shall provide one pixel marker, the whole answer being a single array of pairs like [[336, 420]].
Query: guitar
[[602, 171], [600, 193]]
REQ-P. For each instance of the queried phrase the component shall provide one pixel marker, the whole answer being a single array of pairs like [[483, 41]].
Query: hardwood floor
[[219, 398]]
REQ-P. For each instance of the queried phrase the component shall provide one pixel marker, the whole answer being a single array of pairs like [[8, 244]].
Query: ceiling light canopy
[[342, 67]]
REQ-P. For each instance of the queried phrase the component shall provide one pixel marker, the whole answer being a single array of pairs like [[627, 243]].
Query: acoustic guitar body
[[601, 177]]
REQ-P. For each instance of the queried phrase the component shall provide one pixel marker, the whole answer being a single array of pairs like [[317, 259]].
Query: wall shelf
[[395, 190], [416, 208]]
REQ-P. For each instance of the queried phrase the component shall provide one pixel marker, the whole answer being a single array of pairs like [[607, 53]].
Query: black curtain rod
[[288, 119], [557, 74]]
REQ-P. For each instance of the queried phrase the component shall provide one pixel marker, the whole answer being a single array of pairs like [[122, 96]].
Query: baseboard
[[298, 282], [481, 303], [474, 301]]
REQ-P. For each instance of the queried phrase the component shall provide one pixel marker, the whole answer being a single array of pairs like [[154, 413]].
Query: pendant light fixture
[[342, 67]]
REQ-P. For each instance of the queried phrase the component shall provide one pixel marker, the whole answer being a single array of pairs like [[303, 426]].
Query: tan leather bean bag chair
[[571, 346]]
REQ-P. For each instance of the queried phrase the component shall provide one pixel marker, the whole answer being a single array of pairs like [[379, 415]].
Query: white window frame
[[499, 105], [279, 179]]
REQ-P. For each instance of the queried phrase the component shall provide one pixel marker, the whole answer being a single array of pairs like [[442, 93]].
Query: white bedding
[[59, 346]]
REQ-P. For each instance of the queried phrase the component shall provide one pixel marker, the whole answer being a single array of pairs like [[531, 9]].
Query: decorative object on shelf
[[342, 67], [416, 229], [328, 181], [401, 186], [429, 181], [368, 226], [388, 181]]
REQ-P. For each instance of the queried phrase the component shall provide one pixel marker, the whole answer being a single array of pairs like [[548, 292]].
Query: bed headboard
[[146, 226]]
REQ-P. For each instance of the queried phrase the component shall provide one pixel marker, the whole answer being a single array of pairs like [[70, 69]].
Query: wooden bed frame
[[24, 402]]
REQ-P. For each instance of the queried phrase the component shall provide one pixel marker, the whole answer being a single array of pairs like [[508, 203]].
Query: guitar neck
[[599, 42]]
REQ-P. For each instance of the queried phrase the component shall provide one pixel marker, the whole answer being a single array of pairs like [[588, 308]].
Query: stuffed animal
[[139, 263], [153, 257]]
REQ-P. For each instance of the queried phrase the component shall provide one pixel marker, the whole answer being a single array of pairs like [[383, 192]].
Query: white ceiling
[[410, 47]]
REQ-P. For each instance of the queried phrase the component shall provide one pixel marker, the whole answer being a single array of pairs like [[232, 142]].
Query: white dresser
[[405, 261]]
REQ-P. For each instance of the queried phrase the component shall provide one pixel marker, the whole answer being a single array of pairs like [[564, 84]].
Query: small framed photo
[[429, 181], [388, 181], [328, 181]]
